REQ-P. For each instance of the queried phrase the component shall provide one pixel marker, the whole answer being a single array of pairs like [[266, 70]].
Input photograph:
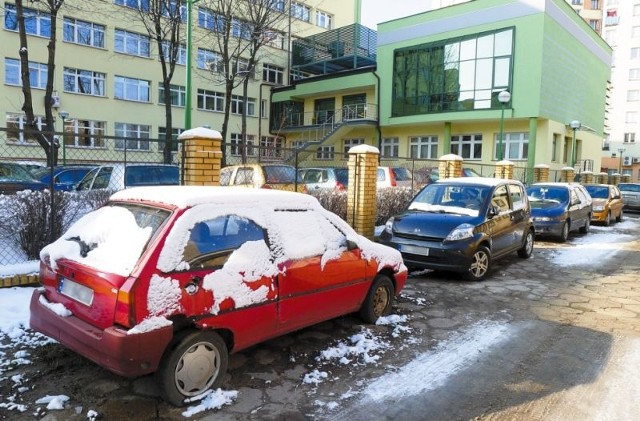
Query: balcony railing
[[346, 114]]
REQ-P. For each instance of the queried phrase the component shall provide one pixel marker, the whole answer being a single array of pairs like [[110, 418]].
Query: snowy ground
[[364, 348]]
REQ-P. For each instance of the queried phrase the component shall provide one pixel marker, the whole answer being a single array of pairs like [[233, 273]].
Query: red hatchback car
[[171, 279]]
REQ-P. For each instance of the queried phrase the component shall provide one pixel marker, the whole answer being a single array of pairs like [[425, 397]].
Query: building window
[[390, 147], [84, 82], [468, 146], [452, 75], [634, 74], [236, 145], [209, 60], [631, 117], [264, 108], [177, 94], [611, 37], [241, 29], [272, 73], [325, 152], [576, 2], [132, 135], [162, 134], [554, 147], [595, 4], [271, 148], [278, 5], [131, 43], [210, 20], [237, 105], [635, 53], [515, 145], [323, 19], [132, 89], [300, 11], [37, 73], [210, 100], [633, 95], [636, 10], [629, 138], [594, 24], [35, 22], [16, 124], [425, 147], [181, 54], [83, 32], [84, 133], [134, 4], [350, 143], [273, 39]]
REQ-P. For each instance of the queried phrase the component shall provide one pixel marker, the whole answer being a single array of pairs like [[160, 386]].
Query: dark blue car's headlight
[[461, 232]]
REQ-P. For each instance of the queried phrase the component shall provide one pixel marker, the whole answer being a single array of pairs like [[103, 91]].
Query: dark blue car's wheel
[[564, 232], [480, 263]]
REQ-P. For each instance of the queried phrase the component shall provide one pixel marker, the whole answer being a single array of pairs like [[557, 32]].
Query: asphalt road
[[554, 337]]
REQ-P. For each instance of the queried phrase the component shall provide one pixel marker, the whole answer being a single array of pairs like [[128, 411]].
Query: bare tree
[[239, 30], [45, 138], [162, 20]]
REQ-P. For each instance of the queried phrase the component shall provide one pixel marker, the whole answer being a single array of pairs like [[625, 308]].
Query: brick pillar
[[504, 169], [587, 177], [602, 178], [362, 190], [203, 156], [450, 166], [541, 173], [567, 174], [625, 178], [615, 179]]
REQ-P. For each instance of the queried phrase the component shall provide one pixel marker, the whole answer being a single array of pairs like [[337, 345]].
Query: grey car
[[630, 195]]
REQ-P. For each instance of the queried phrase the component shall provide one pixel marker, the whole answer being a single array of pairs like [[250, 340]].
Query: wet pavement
[[562, 320]]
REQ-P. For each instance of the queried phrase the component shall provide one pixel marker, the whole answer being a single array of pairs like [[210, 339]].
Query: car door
[[224, 283], [519, 215], [327, 282], [581, 206], [616, 201], [501, 223]]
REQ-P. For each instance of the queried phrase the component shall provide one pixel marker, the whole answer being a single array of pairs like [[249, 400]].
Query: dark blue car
[[14, 177], [462, 225], [559, 208], [65, 177]]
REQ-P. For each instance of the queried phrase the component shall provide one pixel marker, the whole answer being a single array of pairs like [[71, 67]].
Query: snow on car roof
[[188, 196]]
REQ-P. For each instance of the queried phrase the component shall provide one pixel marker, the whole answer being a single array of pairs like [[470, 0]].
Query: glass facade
[[458, 74]]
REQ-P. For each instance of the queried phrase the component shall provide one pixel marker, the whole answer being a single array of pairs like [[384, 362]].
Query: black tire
[[379, 300], [607, 221], [619, 218], [527, 248], [587, 225], [564, 233], [194, 362], [480, 264]]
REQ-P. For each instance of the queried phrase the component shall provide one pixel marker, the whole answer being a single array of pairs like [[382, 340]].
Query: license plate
[[423, 251], [76, 291]]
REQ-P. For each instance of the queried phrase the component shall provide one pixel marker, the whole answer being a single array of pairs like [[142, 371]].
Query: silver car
[[630, 195]]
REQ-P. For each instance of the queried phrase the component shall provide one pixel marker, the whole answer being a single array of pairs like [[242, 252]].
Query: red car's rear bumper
[[111, 348]]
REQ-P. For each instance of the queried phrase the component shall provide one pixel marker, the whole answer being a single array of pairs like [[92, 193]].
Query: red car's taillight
[[125, 309], [47, 274], [340, 187], [392, 178]]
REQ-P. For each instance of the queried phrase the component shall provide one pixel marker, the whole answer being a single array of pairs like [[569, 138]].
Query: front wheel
[[607, 221], [480, 264], [194, 362], [378, 301], [619, 218], [564, 232], [527, 248]]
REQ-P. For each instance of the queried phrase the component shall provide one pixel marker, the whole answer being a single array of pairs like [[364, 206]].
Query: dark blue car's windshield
[[551, 194]]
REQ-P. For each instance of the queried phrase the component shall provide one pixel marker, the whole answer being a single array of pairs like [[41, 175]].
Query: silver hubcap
[[197, 369], [480, 264], [529, 245]]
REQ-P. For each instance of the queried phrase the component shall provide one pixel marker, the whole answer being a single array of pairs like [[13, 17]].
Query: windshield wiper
[[84, 247]]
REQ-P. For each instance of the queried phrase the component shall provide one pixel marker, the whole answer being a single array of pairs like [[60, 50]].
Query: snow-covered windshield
[[110, 239], [451, 198]]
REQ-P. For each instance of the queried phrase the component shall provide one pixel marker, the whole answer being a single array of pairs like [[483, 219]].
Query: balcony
[[347, 48]]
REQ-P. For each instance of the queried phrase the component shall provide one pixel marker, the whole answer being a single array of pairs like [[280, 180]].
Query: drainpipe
[[378, 112]]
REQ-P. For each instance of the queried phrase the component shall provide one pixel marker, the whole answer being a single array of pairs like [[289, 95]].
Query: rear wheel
[[378, 301], [527, 248], [194, 362], [587, 225], [480, 264]]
